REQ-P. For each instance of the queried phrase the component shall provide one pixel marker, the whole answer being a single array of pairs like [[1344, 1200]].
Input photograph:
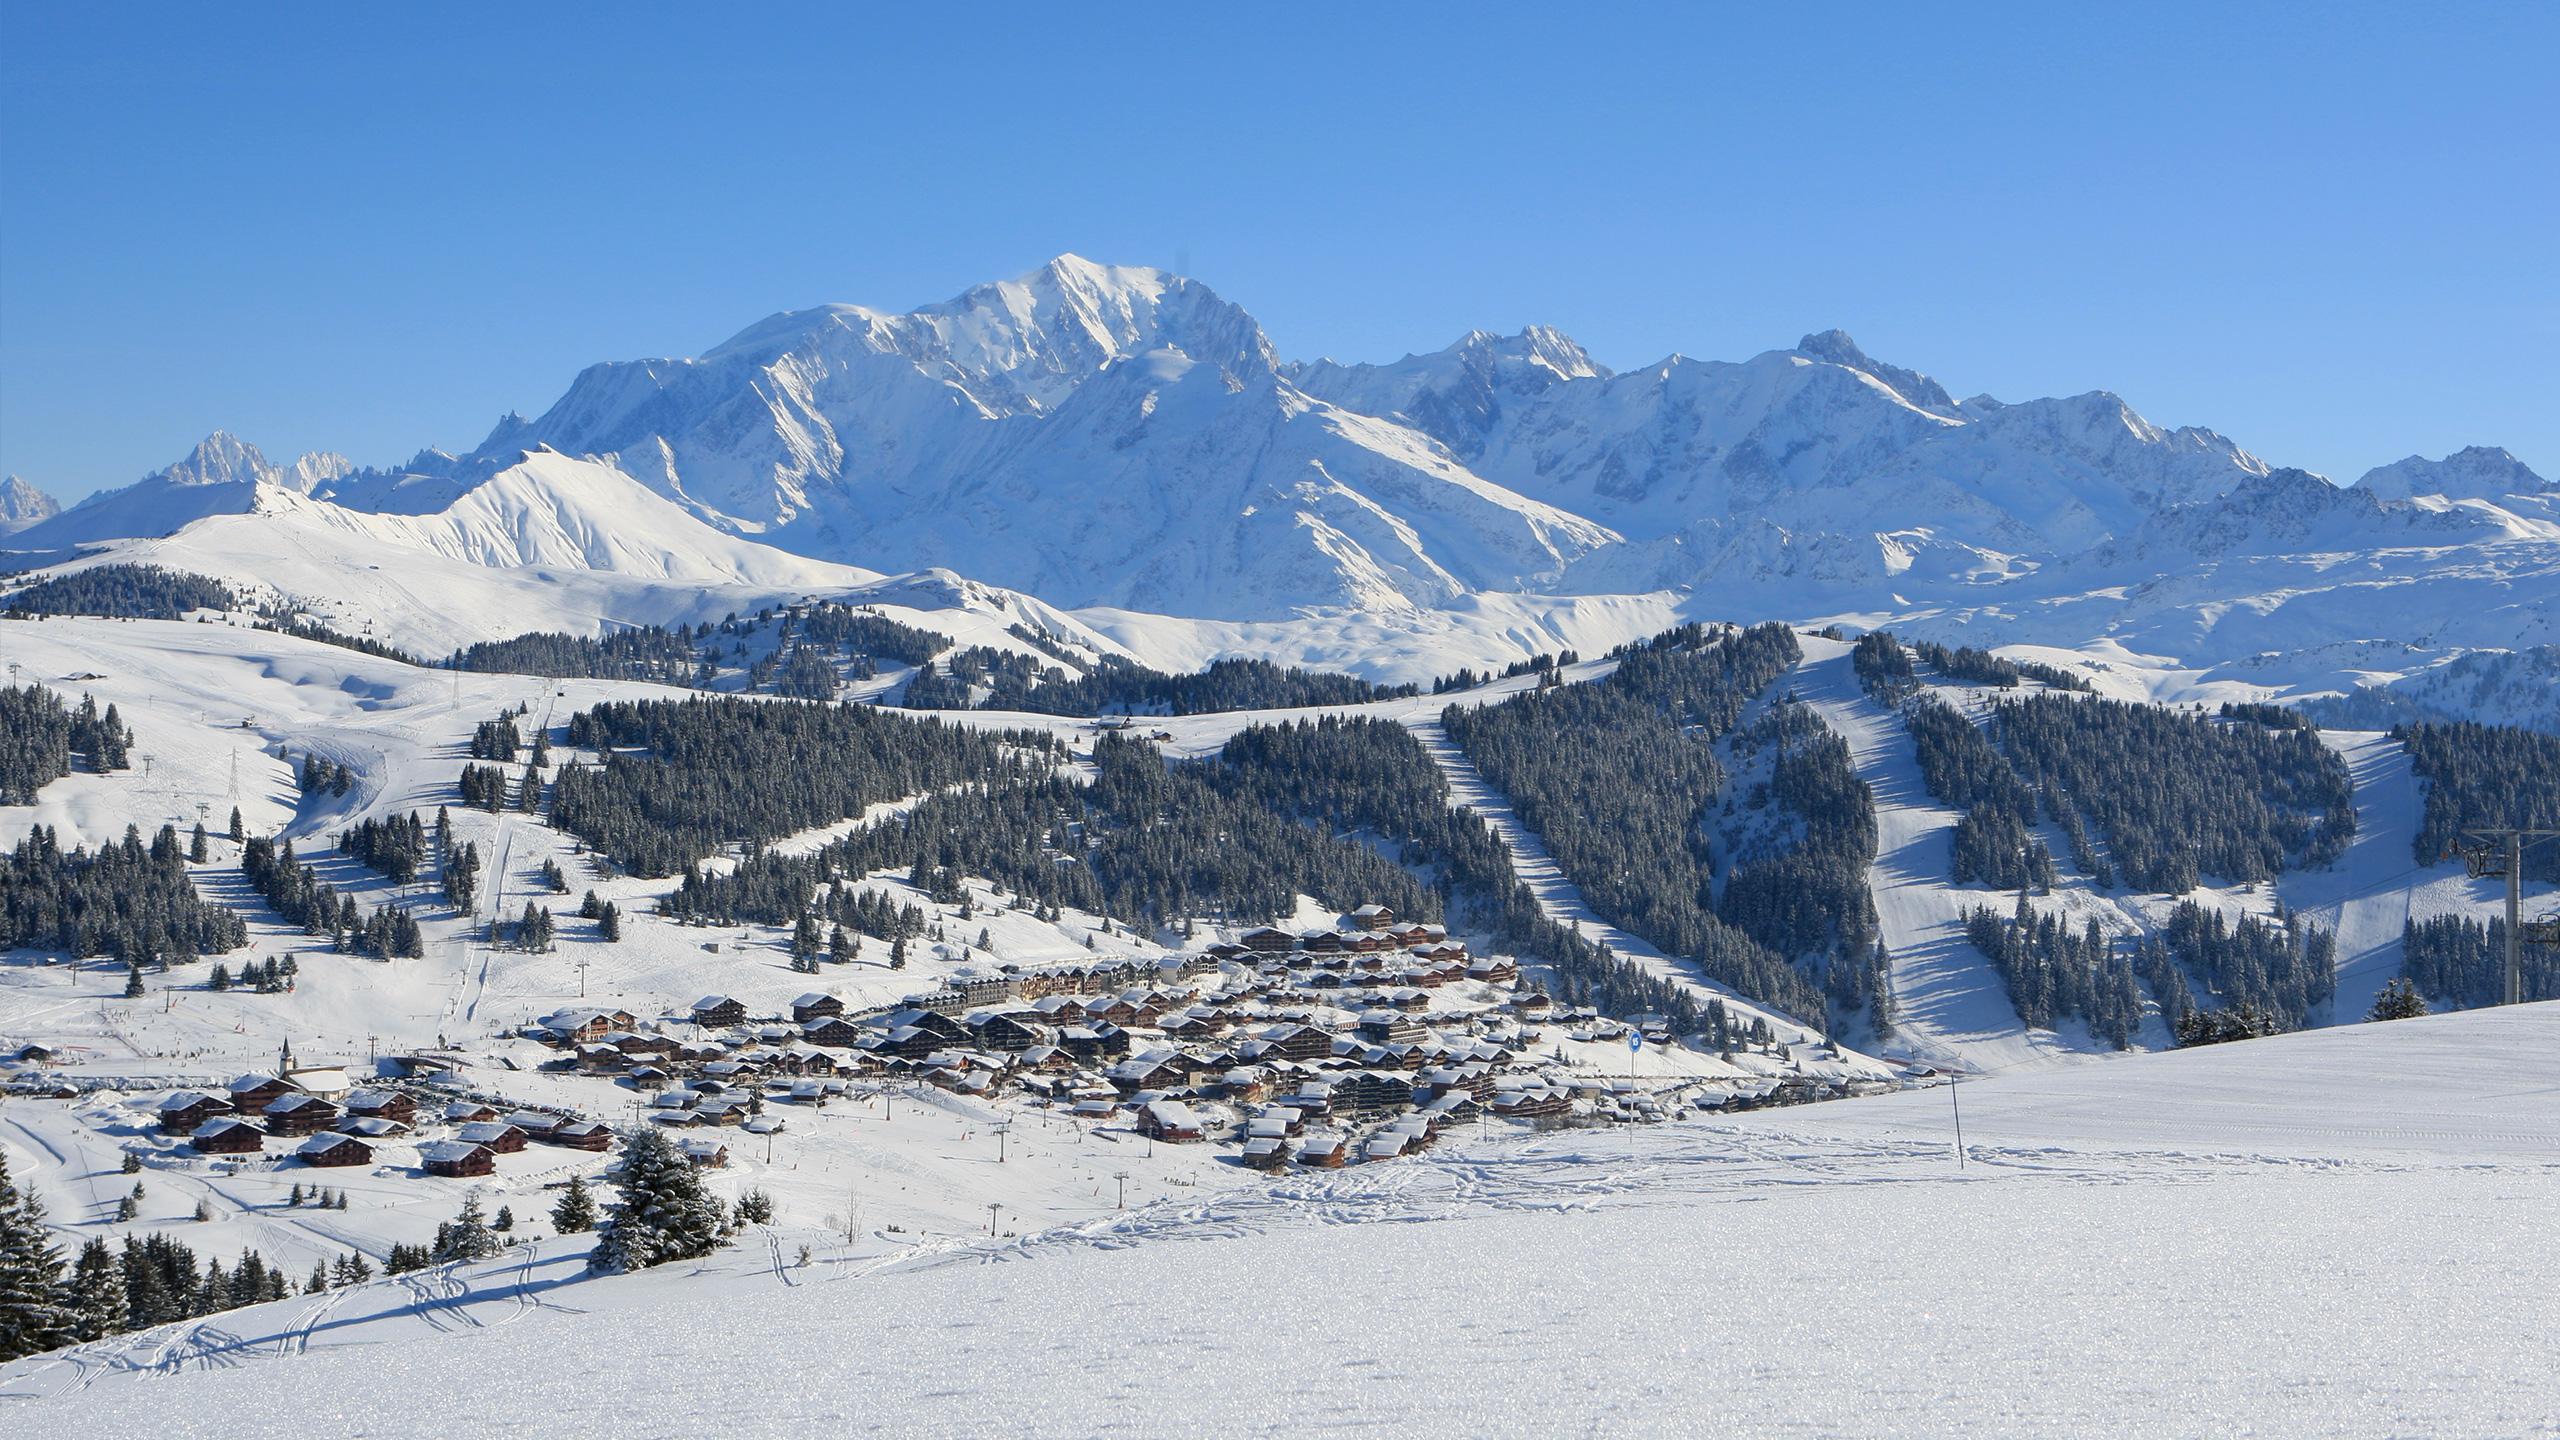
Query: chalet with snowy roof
[[227, 1135], [1268, 941], [298, 1114], [457, 1159], [1094, 1044], [181, 1113], [1170, 1120], [717, 1010], [834, 1030], [582, 1135], [1372, 916], [536, 1124], [395, 1105], [251, 1094], [707, 1154], [814, 1005], [330, 1149], [999, 1030], [501, 1137], [1324, 1150]]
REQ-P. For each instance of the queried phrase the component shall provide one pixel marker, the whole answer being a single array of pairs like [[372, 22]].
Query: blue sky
[[2330, 233]]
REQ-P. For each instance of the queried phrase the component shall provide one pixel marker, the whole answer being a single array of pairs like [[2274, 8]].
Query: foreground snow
[[2339, 1232]]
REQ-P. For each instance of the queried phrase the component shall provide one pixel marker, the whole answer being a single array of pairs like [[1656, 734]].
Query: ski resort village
[[1030, 864]]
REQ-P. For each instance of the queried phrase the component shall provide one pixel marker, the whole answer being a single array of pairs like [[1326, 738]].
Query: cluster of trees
[[1984, 668], [2274, 717], [2460, 963], [39, 735], [809, 645], [485, 787], [775, 889], [2052, 972], [1809, 898], [1883, 667], [722, 770], [461, 868], [395, 846], [280, 621], [127, 900], [318, 776], [497, 739], [1886, 670], [153, 1280], [297, 892], [1146, 840], [2485, 775], [2178, 795], [650, 652], [1115, 686], [1994, 840], [273, 977], [129, 592], [2279, 972], [1619, 777], [1466, 678]]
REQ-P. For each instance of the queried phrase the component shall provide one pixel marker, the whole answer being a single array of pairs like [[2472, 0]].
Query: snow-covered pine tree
[[576, 1212], [34, 1313], [467, 1236], [97, 1292], [662, 1213]]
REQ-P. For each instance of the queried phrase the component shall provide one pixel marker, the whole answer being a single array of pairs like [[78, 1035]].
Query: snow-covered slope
[[2239, 1239]]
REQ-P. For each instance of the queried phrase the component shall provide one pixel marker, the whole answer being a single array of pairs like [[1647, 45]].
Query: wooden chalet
[[466, 1112], [251, 1094], [185, 1111], [1170, 1120], [718, 1010], [1372, 916], [228, 1135], [1324, 1150], [708, 1154], [457, 1159], [396, 1105], [1268, 941], [582, 1135], [501, 1137], [329, 1150], [814, 1005], [299, 1114]]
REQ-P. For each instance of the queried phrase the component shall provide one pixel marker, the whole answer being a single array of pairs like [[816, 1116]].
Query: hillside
[[2282, 1170]]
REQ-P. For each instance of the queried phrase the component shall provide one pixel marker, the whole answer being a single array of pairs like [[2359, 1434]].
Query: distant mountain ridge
[[1120, 440]]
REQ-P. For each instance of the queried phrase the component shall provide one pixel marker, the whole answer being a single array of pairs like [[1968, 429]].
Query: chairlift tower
[[2498, 853]]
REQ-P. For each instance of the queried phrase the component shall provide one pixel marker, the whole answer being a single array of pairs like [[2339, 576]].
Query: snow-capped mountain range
[[1122, 440]]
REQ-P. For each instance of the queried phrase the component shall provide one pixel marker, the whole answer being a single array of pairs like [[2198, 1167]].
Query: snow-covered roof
[[449, 1151]]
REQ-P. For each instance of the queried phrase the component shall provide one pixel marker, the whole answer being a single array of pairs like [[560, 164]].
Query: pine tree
[[804, 937], [199, 847], [609, 923], [663, 1213], [33, 1314], [468, 1236], [506, 1220], [238, 831], [220, 979], [133, 982], [97, 1292], [576, 1212], [2399, 1000], [132, 1163]]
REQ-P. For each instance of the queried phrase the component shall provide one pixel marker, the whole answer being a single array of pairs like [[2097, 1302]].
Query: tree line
[[681, 778], [297, 893], [2485, 775], [1619, 778], [2461, 963], [1118, 686], [39, 735], [124, 592], [129, 900]]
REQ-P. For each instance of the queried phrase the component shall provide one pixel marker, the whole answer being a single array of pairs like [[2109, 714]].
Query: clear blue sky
[[2329, 232]]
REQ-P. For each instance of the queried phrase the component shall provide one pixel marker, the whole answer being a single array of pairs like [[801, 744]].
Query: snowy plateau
[[1003, 1163]]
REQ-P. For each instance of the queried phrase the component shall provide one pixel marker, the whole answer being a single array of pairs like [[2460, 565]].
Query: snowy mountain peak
[[2478, 472], [22, 505], [1917, 389], [220, 458]]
